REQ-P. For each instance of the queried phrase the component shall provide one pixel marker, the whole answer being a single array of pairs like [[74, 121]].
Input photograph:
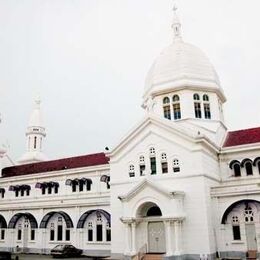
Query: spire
[[176, 24], [35, 135]]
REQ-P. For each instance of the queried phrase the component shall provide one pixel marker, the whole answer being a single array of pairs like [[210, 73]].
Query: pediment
[[154, 186]]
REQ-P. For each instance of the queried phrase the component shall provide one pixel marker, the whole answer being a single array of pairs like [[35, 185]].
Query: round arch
[[232, 206], [243, 163], [3, 223], [256, 160], [85, 215], [148, 209], [46, 218], [17, 216]]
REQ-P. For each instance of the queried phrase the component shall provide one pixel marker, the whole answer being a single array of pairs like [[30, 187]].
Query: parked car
[[65, 251], [4, 255]]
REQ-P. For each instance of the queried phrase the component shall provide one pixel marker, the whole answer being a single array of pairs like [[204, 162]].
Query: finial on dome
[[176, 24], [37, 101]]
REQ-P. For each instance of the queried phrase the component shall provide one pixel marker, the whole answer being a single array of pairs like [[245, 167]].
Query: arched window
[[176, 107], [108, 232], [164, 163], [131, 170], [90, 231], [249, 168], [196, 97], [248, 165], [235, 165], [237, 170], [205, 97], [154, 211], [249, 214], [197, 106], [206, 105], [99, 227], [236, 228], [166, 108], [176, 165], [34, 142], [142, 165], [152, 161], [257, 163]]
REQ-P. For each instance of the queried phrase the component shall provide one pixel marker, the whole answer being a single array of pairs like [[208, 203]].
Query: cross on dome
[[176, 24]]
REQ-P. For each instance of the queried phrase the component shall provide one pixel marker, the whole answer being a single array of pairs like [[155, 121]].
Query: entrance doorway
[[156, 237], [251, 237]]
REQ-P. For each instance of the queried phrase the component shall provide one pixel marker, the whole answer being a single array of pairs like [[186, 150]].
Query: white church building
[[179, 185]]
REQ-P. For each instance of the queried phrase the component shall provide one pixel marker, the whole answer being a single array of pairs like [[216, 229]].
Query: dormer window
[[176, 107], [166, 108], [235, 165], [248, 165]]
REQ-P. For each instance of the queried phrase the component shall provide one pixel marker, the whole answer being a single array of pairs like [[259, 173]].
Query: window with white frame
[[142, 165], [152, 161], [166, 108], [236, 228], [164, 163], [98, 228], [131, 170], [176, 165], [176, 107], [57, 228]]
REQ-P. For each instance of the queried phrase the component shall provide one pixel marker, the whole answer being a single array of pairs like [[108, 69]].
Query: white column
[[133, 225], [128, 239], [168, 237], [177, 238]]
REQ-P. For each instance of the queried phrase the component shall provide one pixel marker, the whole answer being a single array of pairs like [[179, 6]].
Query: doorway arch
[[150, 215]]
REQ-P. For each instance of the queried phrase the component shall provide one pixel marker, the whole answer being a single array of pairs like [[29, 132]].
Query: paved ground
[[44, 257]]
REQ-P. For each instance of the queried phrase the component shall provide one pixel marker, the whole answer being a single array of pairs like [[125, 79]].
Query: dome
[[181, 65]]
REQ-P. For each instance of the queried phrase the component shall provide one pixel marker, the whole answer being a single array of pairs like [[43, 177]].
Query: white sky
[[88, 60]]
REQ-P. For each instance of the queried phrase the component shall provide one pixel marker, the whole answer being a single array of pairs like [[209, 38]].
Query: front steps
[[153, 257]]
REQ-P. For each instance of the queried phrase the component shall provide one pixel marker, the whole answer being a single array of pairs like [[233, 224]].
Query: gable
[[140, 187], [152, 126]]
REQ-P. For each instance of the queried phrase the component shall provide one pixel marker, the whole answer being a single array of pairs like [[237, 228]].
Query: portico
[[170, 234], [153, 227]]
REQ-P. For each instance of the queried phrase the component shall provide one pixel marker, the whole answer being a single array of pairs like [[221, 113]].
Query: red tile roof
[[240, 137], [56, 165]]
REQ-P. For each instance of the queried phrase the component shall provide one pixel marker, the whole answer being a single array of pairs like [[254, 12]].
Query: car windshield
[[59, 247]]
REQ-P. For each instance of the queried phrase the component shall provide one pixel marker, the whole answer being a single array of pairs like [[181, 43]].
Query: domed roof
[[181, 65]]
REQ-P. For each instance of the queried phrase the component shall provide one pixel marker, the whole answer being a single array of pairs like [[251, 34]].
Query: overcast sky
[[88, 60]]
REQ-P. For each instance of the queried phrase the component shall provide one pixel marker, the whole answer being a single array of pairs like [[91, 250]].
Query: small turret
[[35, 135]]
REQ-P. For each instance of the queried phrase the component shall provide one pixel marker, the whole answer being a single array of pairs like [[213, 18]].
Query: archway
[[150, 214], [242, 217], [24, 225], [58, 225], [16, 217], [96, 225], [65, 216]]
